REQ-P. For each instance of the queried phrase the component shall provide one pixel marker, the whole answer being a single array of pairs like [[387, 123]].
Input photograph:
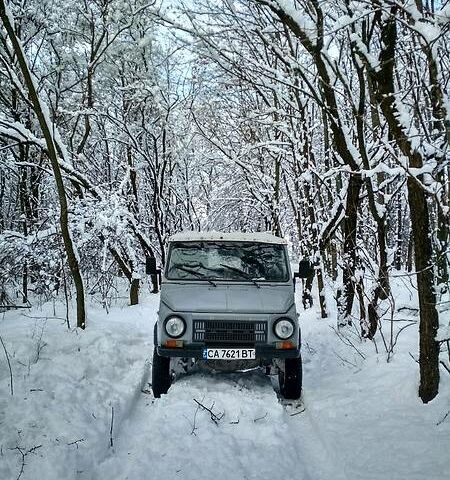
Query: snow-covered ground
[[361, 417]]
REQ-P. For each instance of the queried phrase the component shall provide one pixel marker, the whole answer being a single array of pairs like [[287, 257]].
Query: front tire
[[161, 378], [290, 378]]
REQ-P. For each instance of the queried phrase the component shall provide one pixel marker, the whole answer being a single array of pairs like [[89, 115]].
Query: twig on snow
[[40, 345], [443, 418], [111, 443], [215, 418], [348, 342], [194, 426], [11, 386], [43, 317], [24, 454], [298, 413], [311, 350], [76, 442], [260, 418], [345, 360]]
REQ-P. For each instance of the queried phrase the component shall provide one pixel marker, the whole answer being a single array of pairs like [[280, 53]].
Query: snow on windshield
[[227, 261]]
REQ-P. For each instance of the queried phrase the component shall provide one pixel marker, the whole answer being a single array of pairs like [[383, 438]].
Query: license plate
[[229, 353]]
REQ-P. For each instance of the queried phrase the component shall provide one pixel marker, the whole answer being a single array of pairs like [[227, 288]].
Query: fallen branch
[[260, 418], [345, 360], [111, 428], [36, 317], [348, 342], [11, 386], [76, 442], [443, 418], [215, 418], [24, 454], [194, 426], [298, 413]]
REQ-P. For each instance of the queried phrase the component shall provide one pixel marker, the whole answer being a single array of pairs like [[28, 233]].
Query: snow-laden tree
[[361, 85], [324, 122]]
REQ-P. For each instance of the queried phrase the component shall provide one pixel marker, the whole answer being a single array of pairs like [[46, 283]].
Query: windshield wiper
[[244, 274], [197, 274]]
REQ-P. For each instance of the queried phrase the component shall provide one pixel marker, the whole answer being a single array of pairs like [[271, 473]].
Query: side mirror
[[150, 266], [305, 269]]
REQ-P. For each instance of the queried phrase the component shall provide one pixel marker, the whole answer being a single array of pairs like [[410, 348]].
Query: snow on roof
[[259, 237]]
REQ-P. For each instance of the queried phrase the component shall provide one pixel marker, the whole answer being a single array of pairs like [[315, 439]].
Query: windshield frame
[[228, 280]]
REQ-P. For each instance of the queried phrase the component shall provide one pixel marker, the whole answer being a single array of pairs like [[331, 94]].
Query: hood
[[227, 298]]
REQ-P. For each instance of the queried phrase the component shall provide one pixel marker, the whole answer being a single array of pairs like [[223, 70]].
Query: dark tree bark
[[429, 321], [128, 272], [134, 291]]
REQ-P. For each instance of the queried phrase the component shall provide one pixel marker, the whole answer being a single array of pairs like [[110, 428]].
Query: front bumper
[[196, 351]]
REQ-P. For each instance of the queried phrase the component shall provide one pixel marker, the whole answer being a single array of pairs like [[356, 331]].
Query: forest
[[324, 122]]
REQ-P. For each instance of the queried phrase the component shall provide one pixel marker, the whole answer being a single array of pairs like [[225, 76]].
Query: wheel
[[161, 378], [290, 378]]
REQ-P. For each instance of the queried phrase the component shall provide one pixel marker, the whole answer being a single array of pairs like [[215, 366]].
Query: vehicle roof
[[258, 237]]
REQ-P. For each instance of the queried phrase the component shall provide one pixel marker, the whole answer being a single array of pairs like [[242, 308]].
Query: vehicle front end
[[227, 303]]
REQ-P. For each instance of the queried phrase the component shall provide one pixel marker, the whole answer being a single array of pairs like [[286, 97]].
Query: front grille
[[224, 331]]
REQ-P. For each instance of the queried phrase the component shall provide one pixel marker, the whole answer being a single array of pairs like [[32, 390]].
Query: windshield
[[227, 261]]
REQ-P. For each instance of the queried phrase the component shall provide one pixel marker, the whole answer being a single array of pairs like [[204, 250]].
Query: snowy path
[[362, 417], [256, 438]]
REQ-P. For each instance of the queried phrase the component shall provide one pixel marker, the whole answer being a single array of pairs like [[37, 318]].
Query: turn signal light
[[284, 345], [174, 344]]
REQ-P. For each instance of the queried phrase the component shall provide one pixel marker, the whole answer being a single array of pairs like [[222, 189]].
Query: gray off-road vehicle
[[227, 300]]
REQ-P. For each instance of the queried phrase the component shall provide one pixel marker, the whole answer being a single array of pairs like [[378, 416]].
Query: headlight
[[175, 327], [283, 328]]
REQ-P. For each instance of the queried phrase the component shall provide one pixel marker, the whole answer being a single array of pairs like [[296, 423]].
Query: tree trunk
[[419, 213], [134, 291], [346, 295], [429, 320], [42, 114]]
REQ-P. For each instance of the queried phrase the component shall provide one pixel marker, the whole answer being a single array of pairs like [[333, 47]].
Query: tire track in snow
[[325, 463], [156, 436], [122, 414]]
